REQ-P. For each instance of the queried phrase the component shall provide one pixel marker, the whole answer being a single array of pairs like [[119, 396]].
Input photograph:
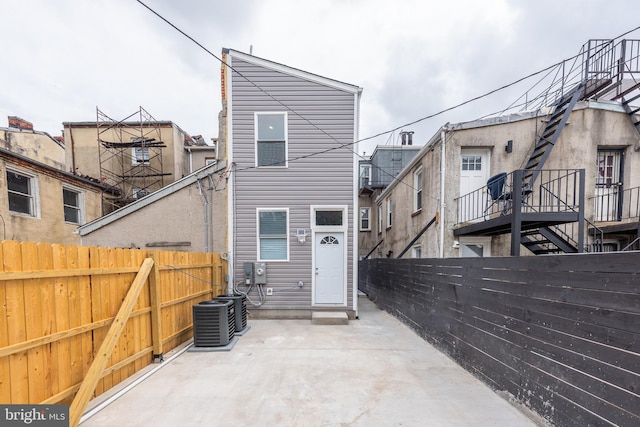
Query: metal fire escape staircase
[[550, 239]]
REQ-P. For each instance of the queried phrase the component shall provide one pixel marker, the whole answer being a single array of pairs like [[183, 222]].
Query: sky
[[64, 59]]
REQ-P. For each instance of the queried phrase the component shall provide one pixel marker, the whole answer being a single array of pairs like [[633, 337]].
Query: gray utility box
[[213, 323]]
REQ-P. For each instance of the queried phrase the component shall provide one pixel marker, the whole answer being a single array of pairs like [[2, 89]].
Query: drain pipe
[[206, 215], [443, 163]]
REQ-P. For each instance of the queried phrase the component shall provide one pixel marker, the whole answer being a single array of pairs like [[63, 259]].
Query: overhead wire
[[390, 131]]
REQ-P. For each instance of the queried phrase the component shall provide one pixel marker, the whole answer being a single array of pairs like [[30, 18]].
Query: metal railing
[[555, 190], [615, 205], [598, 61]]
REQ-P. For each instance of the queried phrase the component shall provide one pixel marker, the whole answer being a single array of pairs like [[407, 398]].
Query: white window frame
[[368, 218], [259, 255], [418, 193], [322, 228], [365, 172], [389, 215], [79, 208], [286, 137], [380, 218], [416, 251], [34, 197], [143, 159]]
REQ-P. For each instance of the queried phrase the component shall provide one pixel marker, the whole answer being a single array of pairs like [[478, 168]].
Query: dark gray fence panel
[[560, 333]]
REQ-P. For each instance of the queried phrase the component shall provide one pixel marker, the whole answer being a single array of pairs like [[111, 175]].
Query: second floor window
[[72, 202], [365, 219], [417, 190], [389, 212], [22, 193], [380, 218], [271, 139], [140, 155]]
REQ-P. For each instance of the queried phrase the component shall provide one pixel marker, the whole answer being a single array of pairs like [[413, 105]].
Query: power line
[[349, 144]]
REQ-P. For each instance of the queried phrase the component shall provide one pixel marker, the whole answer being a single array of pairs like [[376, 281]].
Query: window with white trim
[[271, 139], [380, 218], [140, 155], [389, 212], [417, 190], [273, 235], [365, 175], [73, 203], [365, 219], [22, 193], [416, 251]]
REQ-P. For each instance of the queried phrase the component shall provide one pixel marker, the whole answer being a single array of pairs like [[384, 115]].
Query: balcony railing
[[555, 190], [611, 204]]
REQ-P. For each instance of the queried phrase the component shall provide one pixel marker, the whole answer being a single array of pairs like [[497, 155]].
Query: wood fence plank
[[49, 326], [88, 385], [5, 374], [100, 304], [84, 304], [33, 323], [155, 298], [62, 348]]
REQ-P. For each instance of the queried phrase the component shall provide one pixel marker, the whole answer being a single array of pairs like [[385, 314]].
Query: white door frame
[[343, 229], [476, 240]]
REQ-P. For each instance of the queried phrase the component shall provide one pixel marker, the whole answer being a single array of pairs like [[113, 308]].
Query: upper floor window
[[73, 202], [380, 218], [271, 139], [471, 163], [417, 190], [389, 212], [140, 155], [365, 175], [273, 235], [22, 193], [365, 219]]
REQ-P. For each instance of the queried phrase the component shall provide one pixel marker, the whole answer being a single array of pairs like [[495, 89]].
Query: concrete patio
[[375, 371]]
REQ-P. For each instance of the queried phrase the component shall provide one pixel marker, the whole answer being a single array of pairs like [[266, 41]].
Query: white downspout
[[443, 163]]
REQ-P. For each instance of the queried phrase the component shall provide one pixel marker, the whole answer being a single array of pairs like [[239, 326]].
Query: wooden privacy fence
[[58, 303], [559, 333]]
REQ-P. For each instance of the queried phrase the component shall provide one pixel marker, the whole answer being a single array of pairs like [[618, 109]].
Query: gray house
[[289, 137]]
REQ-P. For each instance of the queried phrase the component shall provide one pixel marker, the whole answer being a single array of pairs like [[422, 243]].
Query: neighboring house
[[22, 139], [199, 153], [176, 217], [138, 155], [42, 203], [376, 173], [562, 177], [290, 137]]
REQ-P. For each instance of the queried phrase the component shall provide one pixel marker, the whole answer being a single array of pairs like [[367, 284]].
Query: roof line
[[296, 72], [165, 191]]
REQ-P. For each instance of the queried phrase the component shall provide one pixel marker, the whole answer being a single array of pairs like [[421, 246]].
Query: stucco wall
[[34, 145], [590, 127], [178, 217], [48, 225]]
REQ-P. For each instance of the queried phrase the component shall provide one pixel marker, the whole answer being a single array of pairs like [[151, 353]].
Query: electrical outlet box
[[260, 273], [269, 291]]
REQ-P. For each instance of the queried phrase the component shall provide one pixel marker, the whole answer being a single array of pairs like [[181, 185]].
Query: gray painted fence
[[560, 333]]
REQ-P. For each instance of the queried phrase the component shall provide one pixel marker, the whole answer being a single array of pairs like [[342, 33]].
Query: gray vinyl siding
[[322, 179]]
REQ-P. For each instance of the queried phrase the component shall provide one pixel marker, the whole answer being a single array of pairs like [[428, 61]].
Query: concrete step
[[329, 318]]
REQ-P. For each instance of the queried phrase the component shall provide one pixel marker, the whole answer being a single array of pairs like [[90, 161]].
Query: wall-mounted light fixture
[[509, 147], [456, 244], [301, 233]]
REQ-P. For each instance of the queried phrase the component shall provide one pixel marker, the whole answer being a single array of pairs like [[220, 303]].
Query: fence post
[[155, 297]]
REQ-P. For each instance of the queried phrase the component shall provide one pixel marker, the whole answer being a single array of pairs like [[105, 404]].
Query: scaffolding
[[130, 156]]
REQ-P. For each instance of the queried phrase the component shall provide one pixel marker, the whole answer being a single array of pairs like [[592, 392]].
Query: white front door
[[474, 174], [329, 286]]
